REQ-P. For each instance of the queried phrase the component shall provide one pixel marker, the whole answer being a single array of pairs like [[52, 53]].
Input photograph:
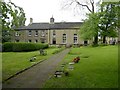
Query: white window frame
[[54, 33], [36, 40], [36, 33], [75, 39], [64, 38], [17, 34], [43, 33], [29, 33]]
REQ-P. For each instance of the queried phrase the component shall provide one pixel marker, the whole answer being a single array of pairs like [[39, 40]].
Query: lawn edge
[[22, 70]]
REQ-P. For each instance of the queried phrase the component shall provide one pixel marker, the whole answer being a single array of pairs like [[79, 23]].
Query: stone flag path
[[36, 76]]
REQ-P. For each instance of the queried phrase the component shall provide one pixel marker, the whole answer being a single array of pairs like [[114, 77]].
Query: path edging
[[22, 71]]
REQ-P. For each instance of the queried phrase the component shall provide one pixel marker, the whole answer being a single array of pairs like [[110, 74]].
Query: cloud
[[42, 10]]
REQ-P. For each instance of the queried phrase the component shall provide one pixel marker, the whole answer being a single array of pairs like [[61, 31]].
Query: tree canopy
[[12, 16], [90, 27], [104, 22], [90, 5], [108, 23]]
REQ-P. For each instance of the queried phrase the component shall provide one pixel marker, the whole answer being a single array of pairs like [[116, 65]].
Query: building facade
[[53, 33]]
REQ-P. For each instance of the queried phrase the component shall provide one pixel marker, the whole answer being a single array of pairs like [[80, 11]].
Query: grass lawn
[[13, 62], [98, 68]]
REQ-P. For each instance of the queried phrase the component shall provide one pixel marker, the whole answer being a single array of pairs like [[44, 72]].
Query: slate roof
[[48, 26]]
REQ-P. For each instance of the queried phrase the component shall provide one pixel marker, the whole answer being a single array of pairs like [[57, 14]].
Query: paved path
[[37, 75]]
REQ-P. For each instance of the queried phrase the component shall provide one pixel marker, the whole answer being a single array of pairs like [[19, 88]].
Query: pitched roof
[[48, 26]]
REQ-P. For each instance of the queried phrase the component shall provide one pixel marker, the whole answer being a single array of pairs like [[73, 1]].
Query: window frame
[[29, 33], [36, 33], [75, 39], [36, 40], [17, 34], [64, 38]]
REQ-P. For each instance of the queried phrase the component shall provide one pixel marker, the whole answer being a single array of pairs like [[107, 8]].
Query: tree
[[12, 16], [82, 4], [90, 27], [104, 22], [89, 5], [108, 20]]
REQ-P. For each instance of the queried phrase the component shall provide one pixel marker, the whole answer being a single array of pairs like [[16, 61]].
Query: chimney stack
[[31, 20]]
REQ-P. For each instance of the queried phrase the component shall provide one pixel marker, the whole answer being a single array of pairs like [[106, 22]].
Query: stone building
[[61, 33]]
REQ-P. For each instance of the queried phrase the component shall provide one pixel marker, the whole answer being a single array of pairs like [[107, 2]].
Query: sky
[[43, 10]]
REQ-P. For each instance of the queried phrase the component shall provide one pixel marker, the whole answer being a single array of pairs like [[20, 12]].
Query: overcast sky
[[42, 11]]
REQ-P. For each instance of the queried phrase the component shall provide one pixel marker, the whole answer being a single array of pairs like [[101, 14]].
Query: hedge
[[19, 47]]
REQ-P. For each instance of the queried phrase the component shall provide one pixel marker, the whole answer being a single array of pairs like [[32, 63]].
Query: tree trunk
[[104, 39], [95, 40]]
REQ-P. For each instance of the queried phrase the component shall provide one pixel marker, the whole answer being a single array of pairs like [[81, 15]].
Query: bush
[[95, 45], [77, 45], [7, 47], [103, 44], [19, 47]]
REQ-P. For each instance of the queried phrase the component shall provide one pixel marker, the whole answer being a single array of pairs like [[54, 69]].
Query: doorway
[[85, 43], [54, 41]]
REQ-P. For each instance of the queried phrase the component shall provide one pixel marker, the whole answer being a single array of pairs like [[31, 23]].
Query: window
[[75, 39], [64, 38], [7, 33], [29, 40], [29, 33], [17, 34], [36, 41], [54, 33], [36, 33], [43, 33], [42, 40]]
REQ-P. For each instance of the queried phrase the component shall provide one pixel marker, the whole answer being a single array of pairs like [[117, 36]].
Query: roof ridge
[[57, 25]]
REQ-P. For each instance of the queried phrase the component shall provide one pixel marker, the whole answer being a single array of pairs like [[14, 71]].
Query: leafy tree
[[90, 5], [108, 22], [104, 22], [12, 16], [90, 27]]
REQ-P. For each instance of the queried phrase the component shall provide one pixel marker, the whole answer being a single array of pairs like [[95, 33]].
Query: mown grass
[[98, 68], [13, 62]]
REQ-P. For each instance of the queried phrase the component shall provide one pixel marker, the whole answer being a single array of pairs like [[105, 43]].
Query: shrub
[[19, 47], [103, 44], [7, 47], [77, 45], [95, 45]]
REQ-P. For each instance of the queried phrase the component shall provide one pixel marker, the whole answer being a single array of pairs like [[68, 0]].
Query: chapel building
[[53, 33]]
